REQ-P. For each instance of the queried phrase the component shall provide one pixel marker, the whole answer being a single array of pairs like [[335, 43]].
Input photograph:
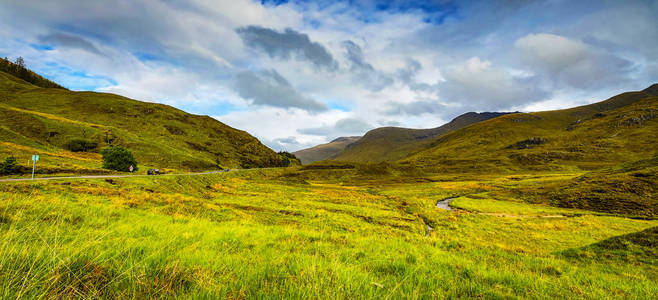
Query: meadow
[[293, 234]]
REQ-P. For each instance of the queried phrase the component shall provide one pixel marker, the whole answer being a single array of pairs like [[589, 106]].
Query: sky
[[299, 73]]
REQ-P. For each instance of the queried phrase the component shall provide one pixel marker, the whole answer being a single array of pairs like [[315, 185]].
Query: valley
[[550, 204], [269, 233]]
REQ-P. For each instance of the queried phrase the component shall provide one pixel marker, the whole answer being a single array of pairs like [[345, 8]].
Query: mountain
[[393, 143], [621, 129], [325, 151], [45, 121]]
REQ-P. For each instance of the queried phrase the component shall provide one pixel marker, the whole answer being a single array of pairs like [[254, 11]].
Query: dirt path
[[106, 176]]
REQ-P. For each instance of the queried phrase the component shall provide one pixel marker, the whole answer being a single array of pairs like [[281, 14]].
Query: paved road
[[105, 176]]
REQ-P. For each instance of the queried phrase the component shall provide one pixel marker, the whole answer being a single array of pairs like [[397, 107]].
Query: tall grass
[[250, 235]]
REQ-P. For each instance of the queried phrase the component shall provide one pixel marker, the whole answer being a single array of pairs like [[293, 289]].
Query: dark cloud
[[416, 108], [69, 41], [364, 72], [343, 127], [287, 43], [355, 56], [407, 75], [270, 88]]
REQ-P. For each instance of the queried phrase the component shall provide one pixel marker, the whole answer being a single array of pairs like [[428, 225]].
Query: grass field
[[273, 234]]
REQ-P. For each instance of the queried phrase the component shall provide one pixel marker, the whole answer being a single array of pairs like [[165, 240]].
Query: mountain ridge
[[596, 135], [393, 143]]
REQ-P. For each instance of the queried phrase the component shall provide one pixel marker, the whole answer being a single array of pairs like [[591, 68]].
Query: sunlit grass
[[249, 234]]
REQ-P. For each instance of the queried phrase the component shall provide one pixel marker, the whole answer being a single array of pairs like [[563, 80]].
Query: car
[[153, 172]]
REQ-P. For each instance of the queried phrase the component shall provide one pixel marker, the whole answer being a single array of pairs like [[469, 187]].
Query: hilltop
[[325, 151], [43, 121], [393, 143], [621, 129]]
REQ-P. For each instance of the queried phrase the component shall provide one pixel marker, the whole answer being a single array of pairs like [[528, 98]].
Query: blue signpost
[[35, 158]]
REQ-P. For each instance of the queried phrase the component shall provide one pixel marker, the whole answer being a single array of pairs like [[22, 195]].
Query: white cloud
[[569, 62], [477, 85], [403, 70]]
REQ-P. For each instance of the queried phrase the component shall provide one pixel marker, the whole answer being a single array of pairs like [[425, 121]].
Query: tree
[[288, 158], [118, 158], [80, 145], [20, 62], [9, 166]]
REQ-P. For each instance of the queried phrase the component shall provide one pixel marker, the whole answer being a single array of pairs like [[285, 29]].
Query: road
[[105, 176]]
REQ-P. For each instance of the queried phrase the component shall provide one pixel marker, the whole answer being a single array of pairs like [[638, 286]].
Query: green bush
[[80, 145], [9, 166], [118, 158], [288, 159]]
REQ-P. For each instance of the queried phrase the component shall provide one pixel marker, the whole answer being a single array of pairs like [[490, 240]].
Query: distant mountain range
[[325, 151], [621, 129], [387, 143]]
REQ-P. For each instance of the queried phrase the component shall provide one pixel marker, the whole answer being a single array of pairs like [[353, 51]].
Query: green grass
[[621, 129], [395, 143], [255, 234], [158, 135], [508, 208]]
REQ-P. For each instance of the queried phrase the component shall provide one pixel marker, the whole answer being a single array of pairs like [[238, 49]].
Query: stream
[[445, 203]]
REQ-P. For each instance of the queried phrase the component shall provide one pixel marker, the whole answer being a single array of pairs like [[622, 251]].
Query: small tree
[[9, 166], [80, 145], [118, 158], [20, 62]]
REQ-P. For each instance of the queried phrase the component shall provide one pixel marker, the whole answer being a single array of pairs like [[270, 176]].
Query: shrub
[[118, 158], [9, 166], [80, 145], [529, 143], [287, 159]]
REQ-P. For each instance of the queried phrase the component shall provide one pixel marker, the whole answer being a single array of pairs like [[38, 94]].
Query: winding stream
[[445, 203]]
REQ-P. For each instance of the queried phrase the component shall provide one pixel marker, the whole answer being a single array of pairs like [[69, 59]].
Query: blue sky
[[299, 73]]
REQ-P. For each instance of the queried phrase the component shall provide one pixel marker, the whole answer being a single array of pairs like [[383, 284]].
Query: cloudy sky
[[299, 73]]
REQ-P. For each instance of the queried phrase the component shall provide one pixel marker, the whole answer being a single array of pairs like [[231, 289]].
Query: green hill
[[43, 120], [631, 188], [621, 129], [325, 151], [24, 73], [393, 143]]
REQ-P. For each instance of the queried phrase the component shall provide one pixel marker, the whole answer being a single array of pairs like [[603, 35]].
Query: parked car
[[153, 172]]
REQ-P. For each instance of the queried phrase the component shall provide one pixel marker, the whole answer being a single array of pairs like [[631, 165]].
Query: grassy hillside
[[256, 234], [325, 151], [26, 74], [631, 188], [621, 129], [43, 120], [393, 143]]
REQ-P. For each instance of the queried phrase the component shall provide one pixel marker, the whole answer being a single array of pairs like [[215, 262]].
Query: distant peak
[[485, 115], [344, 138], [653, 89]]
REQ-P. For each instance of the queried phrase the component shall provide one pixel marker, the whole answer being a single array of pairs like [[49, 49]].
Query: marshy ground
[[266, 233]]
